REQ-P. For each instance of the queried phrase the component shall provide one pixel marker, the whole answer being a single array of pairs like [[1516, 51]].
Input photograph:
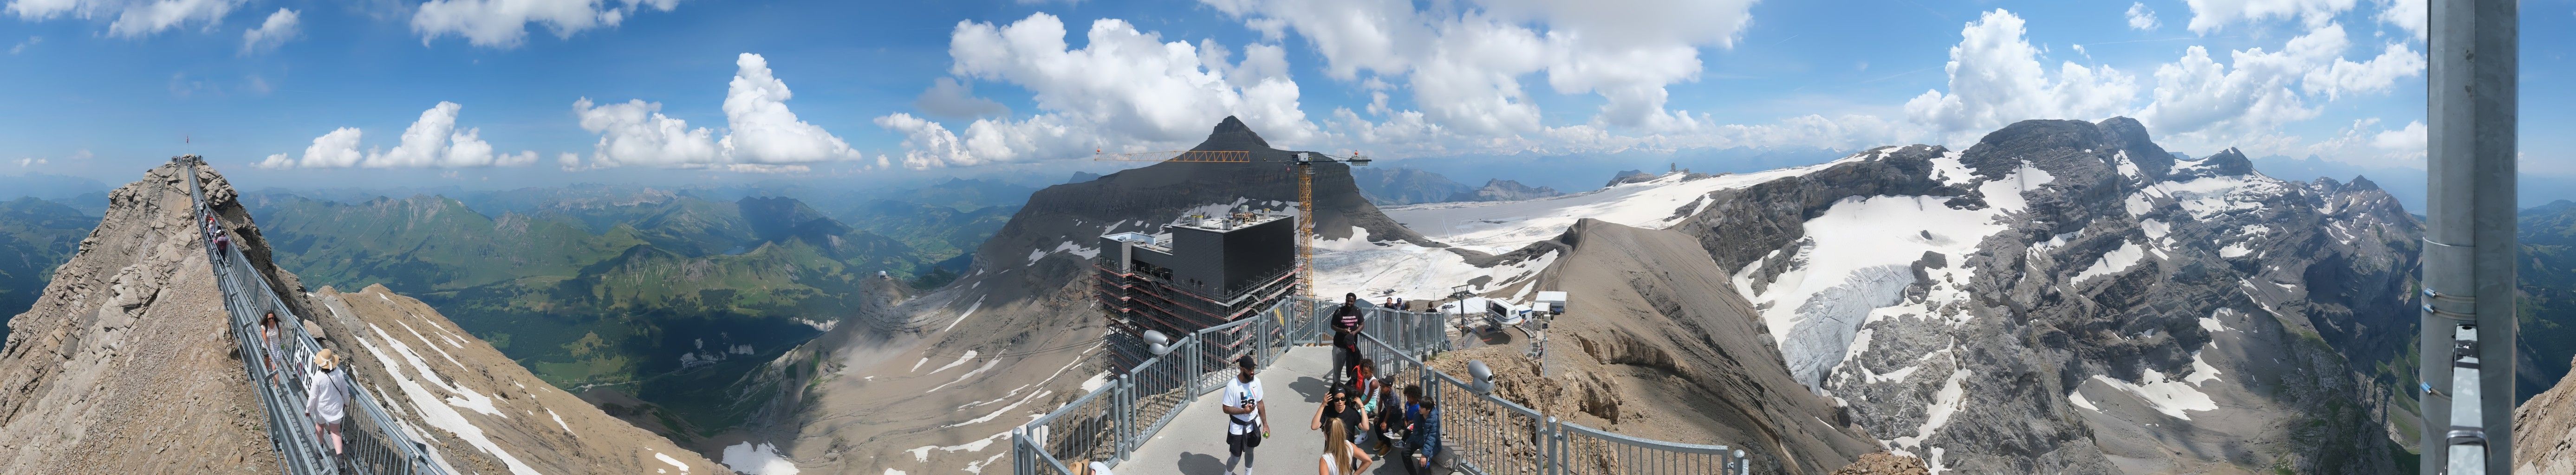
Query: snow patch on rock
[[761, 459]]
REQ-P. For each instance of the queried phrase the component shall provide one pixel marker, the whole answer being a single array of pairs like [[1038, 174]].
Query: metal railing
[[371, 441], [1485, 434]]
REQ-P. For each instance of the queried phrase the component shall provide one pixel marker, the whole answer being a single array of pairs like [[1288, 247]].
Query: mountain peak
[[1232, 135], [2229, 162]]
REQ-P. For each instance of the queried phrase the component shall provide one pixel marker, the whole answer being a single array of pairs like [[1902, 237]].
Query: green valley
[[665, 297], [35, 237]]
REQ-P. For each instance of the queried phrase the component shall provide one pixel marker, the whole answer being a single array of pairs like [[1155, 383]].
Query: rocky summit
[[125, 364]]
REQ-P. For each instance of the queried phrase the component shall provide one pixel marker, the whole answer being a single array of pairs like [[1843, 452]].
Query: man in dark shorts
[[1247, 417]]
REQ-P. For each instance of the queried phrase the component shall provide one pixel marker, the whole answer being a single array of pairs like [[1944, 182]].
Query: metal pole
[[2469, 239]]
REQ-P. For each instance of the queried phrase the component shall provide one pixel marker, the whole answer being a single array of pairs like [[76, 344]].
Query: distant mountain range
[[1575, 173], [1396, 186], [663, 296]]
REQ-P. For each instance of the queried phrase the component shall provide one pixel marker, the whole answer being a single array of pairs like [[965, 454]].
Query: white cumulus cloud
[[1465, 60], [636, 133], [762, 129], [761, 134], [128, 18], [1996, 78], [2244, 103], [504, 23], [2409, 15], [2141, 18], [270, 34], [432, 141], [1124, 89], [2209, 16], [2365, 142]]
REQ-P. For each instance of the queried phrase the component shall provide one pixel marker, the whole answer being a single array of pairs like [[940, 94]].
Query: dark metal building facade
[[1200, 273]]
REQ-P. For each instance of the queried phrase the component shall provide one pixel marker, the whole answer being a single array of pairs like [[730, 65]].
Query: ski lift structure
[[1500, 315]]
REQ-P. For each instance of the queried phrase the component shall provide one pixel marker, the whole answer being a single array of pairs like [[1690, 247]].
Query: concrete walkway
[[1194, 443]]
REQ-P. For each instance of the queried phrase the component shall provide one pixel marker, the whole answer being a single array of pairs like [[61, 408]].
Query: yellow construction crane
[[1305, 162], [1306, 211]]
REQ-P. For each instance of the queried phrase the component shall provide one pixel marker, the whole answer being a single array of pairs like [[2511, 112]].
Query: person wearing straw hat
[[324, 395]]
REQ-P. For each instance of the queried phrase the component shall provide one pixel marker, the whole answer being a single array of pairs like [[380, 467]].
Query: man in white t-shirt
[[1247, 417]]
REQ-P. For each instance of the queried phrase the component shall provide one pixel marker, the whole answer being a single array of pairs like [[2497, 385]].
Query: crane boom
[[1184, 156]]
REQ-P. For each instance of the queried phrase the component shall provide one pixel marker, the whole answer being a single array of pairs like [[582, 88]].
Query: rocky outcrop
[[1657, 346], [126, 364], [1884, 463], [2544, 431]]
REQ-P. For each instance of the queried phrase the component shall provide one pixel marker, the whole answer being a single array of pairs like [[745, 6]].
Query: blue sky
[[104, 88]]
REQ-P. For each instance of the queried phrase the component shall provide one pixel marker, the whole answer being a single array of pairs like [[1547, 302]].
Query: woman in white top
[[324, 395], [268, 341], [1340, 457]]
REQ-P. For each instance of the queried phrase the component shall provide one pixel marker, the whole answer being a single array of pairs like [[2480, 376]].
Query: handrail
[[375, 443], [1111, 422]]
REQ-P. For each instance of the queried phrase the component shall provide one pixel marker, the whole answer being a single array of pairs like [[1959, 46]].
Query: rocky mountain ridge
[[125, 365], [2065, 297]]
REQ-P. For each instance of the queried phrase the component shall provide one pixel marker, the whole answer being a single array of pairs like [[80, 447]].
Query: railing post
[[1551, 446], [1123, 409]]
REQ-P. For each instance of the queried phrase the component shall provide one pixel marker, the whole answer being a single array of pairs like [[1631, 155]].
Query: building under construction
[[1201, 272]]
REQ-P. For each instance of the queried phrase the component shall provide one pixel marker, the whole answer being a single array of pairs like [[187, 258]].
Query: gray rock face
[[2109, 310]]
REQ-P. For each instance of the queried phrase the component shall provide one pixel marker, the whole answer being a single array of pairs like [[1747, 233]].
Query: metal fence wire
[[371, 441], [1485, 434]]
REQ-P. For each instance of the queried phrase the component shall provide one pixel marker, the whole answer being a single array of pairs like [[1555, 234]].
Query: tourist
[[1340, 456], [1367, 368], [1248, 418], [1346, 336], [1339, 407], [268, 331], [1426, 436], [324, 394], [1386, 414]]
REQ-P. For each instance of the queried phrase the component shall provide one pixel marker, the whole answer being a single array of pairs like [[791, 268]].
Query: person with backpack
[[1346, 337], [325, 395], [1247, 417], [1364, 373]]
